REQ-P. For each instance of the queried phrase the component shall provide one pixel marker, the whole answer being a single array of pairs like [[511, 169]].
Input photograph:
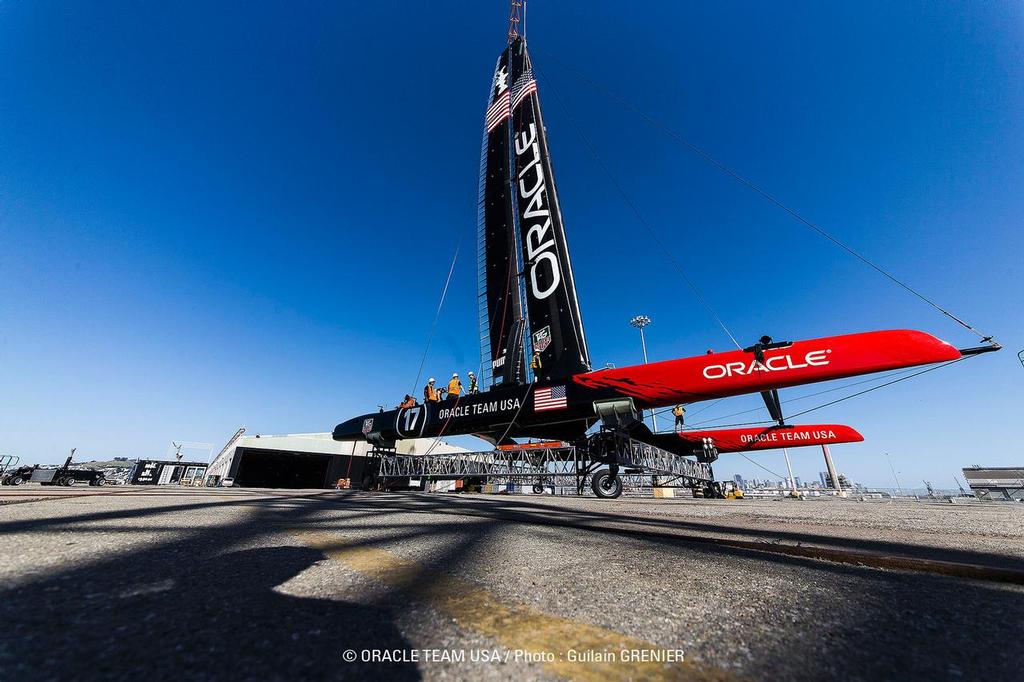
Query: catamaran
[[539, 382]]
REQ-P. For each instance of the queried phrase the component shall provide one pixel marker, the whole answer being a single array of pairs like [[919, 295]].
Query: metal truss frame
[[615, 450]]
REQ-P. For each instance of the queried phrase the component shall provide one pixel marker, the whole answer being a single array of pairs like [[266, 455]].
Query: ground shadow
[[175, 613]]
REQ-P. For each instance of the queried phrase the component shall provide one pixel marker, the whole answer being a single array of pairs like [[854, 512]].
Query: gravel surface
[[235, 584]]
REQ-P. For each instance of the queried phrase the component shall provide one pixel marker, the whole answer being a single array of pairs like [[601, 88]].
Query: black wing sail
[[501, 315], [556, 328]]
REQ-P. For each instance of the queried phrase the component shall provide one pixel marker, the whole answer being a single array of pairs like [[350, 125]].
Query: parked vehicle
[[17, 476], [66, 475]]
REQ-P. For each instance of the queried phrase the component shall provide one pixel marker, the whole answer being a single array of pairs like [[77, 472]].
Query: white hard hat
[[471, 373], [454, 374], [431, 380]]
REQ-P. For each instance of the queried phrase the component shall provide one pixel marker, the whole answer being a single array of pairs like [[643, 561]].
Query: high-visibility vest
[[454, 387], [535, 362], [430, 393], [678, 411]]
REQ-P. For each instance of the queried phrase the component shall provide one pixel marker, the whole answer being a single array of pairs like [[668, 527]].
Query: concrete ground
[[156, 584]]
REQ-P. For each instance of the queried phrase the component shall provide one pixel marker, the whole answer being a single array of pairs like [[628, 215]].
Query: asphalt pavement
[[238, 584]]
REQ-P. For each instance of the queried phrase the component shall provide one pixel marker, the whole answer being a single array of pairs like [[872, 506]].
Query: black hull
[[503, 412]]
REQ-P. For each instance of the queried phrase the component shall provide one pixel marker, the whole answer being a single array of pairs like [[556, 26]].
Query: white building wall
[[321, 443]]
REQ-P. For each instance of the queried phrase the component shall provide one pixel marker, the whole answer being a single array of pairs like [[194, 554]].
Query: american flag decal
[[498, 111], [550, 398], [523, 87]]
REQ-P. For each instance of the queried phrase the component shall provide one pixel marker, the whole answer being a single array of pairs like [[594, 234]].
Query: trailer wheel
[[605, 485], [100, 481], [69, 481], [17, 480], [538, 488]]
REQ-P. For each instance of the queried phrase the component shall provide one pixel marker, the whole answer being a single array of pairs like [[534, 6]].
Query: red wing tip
[[943, 350]]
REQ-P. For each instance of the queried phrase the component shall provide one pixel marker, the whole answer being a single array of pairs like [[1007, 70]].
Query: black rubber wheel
[[100, 481], [605, 485], [17, 480], [538, 488], [69, 481]]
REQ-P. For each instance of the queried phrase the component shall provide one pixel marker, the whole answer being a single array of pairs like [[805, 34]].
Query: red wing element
[[771, 437], [718, 375]]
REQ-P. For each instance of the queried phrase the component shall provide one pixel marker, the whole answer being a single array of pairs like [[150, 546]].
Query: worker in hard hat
[[678, 411], [473, 387], [454, 386], [407, 401], [431, 394], [535, 364]]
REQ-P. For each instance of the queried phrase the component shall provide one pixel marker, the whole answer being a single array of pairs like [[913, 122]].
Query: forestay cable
[[765, 195], [744, 456], [636, 211], [852, 395], [437, 315]]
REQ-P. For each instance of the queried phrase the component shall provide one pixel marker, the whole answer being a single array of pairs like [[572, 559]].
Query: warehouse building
[[156, 472], [996, 483], [302, 460]]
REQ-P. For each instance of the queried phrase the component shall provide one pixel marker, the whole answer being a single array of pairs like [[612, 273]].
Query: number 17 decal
[[411, 421]]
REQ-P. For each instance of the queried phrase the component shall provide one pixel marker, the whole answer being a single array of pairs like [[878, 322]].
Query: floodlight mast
[[641, 321]]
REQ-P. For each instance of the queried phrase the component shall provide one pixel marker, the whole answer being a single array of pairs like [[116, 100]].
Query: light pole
[[641, 321], [899, 488]]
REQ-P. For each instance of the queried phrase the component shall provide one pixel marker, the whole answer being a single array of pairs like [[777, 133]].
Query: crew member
[[535, 364], [431, 394], [407, 401], [473, 387], [454, 386], [678, 411], [758, 348]]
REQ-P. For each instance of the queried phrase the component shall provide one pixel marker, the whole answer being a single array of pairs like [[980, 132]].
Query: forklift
[[721, 490]]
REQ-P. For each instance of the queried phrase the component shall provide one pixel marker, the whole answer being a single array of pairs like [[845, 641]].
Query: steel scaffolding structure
[[611, 450]]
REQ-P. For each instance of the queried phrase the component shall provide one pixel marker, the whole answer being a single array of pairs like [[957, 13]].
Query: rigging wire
[[800, 397], [810, 395], [888, 383], [662, 411], [516, 415], [656, 123], [636, 211], [437, 316], [854, 395], [744, 456]]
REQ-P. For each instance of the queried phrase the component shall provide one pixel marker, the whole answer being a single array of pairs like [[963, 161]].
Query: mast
[[516, 16], [500, 307], [524, 272], [552, 306]]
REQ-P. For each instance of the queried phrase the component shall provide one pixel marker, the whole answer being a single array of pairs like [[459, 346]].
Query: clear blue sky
[[217, 214]]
